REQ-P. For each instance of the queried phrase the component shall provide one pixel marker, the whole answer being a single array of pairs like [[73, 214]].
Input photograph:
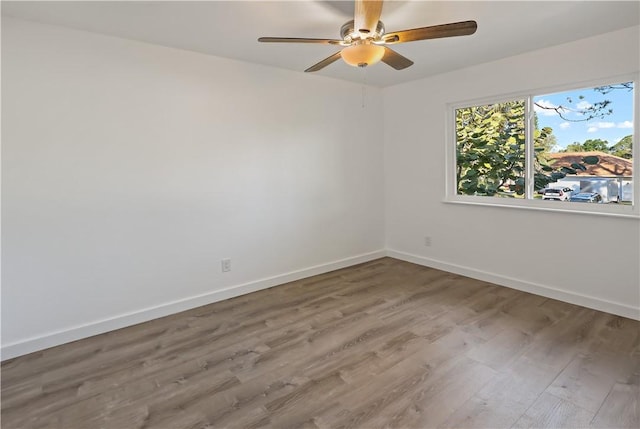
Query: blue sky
[[612, 127]]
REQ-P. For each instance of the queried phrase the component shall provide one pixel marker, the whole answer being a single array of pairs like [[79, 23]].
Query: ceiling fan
[[364, 38]]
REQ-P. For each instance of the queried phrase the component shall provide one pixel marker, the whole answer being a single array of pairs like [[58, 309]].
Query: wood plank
[[505, 398], [501, 349], [588, 378], [549, 411], [621, 408]]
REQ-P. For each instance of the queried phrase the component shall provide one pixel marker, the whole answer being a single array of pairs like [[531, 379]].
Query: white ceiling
[[231, 28]]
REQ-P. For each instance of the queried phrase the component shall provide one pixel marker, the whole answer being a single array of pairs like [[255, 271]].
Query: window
[[554, 150]]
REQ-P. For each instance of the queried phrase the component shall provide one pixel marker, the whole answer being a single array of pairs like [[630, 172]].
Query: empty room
[[320, 214]]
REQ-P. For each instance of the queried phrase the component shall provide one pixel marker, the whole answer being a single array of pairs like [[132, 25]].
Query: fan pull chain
[[364, 93], [364, 86]]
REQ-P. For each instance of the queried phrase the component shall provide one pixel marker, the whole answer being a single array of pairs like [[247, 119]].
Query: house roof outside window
[[608, 166]]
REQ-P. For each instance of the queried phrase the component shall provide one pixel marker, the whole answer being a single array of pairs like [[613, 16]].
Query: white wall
[[130, 170], [585, 259]]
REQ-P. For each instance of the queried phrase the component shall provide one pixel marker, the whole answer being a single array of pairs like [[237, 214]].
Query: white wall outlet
[[427, 241], [226, 265]]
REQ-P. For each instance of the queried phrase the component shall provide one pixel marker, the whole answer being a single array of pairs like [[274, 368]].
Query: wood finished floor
[[386, 344]]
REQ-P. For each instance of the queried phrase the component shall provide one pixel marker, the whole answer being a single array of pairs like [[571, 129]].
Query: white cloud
[[584, 105], [605, 125], [544, 108], [599, 126], [625, 124], [564, 125]]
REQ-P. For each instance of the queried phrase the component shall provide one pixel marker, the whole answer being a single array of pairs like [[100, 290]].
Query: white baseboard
[[510, 282], [52, 339], [143, 315]]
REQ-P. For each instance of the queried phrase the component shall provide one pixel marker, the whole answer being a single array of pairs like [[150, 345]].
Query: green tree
[[547, 140], [624, 148], [543, 138], [595, 145], [490, 147], [573, 147], [588, 146]]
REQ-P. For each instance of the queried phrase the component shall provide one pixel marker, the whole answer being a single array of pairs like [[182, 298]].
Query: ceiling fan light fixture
[[362, 54]]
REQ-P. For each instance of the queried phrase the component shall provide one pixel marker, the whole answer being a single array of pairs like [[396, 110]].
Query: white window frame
[[617, 210]]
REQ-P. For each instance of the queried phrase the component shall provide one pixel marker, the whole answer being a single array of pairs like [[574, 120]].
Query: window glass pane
[[490, 149], [583, 141]]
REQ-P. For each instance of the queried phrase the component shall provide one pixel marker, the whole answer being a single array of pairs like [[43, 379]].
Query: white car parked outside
[[557, 194]]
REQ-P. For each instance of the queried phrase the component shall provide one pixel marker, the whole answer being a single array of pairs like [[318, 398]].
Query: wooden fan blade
[[300, 40], [395, 60], [322, 64], [367, 15], [463, 28]]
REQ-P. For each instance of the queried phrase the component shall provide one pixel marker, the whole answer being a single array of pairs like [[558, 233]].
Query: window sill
[[608, 210]]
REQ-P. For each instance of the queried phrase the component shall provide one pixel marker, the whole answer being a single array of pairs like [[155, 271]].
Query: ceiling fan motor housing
[[349, 33]]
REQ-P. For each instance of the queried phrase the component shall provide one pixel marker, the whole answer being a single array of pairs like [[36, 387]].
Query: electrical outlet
[[427, 241], [226, 265]]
